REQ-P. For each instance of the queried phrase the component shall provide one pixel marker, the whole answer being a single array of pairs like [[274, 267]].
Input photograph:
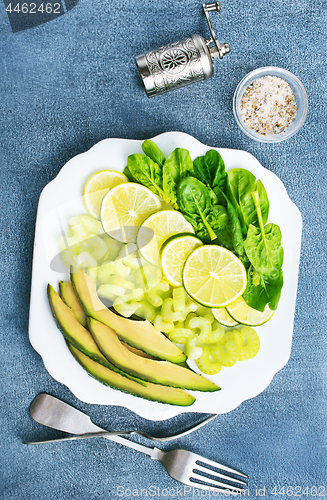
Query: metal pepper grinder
[[180, 63]]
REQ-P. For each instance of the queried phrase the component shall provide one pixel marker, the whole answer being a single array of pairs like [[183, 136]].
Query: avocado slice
[[160, 372], [86, 352], [139, 334], [150, 391], [77, 335], [72, 330], [70, 298], [68, 295]]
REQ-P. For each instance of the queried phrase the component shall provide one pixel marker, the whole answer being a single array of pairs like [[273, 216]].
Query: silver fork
[[45, 410], [182, 465]]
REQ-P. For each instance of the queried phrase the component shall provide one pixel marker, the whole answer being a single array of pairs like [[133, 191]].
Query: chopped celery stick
[[96, 246], [180, 335], [232, 335], [168, 314], [207, 364], [110, 292], [136, 294], [192, 349], [208, 316], [77, 233], [84, 260], [119, 281], [92, 225], [126, 309], [147, 276], [146, 311], [204, 326], [154, 295], [113, 248], [188, 319], [109, 268], [226, 354], [191, 306], [179, 299], [160, 325], [250, 344], [67, 256]]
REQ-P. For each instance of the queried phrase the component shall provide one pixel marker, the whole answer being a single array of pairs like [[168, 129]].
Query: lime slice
[[223, 317], [124, 208], [156, 229], [98, 186], [246, 315], [174, 252], [214, 276]]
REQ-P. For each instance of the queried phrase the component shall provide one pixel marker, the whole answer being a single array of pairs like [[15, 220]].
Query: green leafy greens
[[225, 208], [196, 205], [176, 167]]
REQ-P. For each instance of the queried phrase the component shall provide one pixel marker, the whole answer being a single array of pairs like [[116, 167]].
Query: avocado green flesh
[[160, 372], [77, 335], [149, 391], [139, 334], [68, 295], [70, 298]]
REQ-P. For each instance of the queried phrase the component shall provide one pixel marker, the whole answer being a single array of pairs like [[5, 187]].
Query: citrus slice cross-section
[[124, 208], [222, 316], [173, 255], [98, 186], [214, 276], [246, 315], [156, 229]]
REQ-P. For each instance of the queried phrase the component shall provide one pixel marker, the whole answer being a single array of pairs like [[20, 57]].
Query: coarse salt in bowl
[[264, 115]]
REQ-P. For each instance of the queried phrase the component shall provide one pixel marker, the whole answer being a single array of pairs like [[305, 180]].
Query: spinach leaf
[[210, 169], [263, 244], [195, 203], [262, 290], [243, 183], [128, 174], [146, 172], [232, 237], [177, 166], [154, 152]]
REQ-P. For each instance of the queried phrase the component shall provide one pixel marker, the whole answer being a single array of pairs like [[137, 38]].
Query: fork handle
[[154, 453]]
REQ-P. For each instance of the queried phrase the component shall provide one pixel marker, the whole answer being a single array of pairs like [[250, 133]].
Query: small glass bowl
[[300, 98]]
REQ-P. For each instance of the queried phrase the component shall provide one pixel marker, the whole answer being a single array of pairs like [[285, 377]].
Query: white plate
[[61, 199]]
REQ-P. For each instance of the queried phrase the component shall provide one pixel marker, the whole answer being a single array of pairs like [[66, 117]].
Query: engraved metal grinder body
[[181, 63]]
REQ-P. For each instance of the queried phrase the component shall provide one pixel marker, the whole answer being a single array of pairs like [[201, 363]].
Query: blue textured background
[[66, 85]]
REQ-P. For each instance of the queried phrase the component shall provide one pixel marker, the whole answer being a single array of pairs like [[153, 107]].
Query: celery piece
[[204, 325], [179, 299], [226, 354], [84, 260], [126, 309], [192, 348], [207, 364], [161, 325], [180, 335], [154, 295], [250, 344], [146, 311], [110, 292], [167, 312]]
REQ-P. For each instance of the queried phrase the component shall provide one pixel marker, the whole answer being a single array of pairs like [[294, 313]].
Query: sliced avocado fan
[[139, 334]]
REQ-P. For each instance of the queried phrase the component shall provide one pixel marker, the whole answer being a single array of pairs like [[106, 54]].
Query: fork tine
[[206, 461], [214, 483], [217, 474]]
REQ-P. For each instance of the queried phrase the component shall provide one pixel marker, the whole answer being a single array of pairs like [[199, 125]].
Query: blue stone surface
[[71, 82]]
